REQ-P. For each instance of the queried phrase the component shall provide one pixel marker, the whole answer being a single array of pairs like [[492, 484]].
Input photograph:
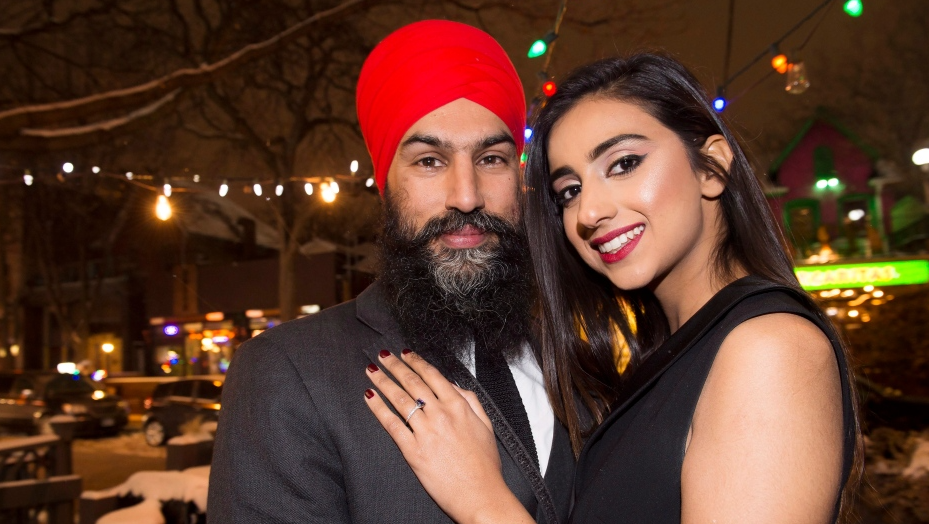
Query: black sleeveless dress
[[630, 469]]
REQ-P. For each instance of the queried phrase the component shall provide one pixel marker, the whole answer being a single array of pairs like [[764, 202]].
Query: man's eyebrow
[[610, 142], [500, 138], [429, 140]]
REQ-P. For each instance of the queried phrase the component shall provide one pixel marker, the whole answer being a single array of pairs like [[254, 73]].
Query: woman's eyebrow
[[562, 171], [610, 142]]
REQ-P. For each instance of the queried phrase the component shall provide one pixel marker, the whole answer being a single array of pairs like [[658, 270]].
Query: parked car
[[174, 404], [29, 399]]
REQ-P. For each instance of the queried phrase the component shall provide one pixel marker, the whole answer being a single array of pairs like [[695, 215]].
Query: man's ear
[[717, 148]]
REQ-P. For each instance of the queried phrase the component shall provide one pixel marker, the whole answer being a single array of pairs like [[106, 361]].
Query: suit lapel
[[372, 310], [511, 443]]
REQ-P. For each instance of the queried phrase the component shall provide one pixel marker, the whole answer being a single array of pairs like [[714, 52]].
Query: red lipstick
[[623, 252]]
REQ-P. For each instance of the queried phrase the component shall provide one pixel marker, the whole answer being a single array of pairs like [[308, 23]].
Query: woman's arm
[[766, 437], [449, 443]]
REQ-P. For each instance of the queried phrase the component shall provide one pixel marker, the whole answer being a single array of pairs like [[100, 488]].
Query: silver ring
[[420, 404]]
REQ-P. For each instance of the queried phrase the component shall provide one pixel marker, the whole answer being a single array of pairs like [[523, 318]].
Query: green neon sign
[[858, 275]]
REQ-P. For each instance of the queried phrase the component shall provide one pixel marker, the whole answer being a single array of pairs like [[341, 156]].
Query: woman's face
[[633, 207]]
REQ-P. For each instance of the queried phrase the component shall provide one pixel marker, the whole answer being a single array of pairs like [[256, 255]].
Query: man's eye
[[567, 194], [428, 162], [493, 160], [626, 164]]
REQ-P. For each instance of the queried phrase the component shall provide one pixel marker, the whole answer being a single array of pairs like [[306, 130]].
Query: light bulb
[[67, 167], [327, 194], [308, 187], [196, 179], [797, 81], [921, 156], [856, 214], [334, 187], [279, 189], [163, 208], [95, 170], [27, 178], [354, 167], [167, 189], [224, 189], [369, 182], [257, 189], [128, 175]]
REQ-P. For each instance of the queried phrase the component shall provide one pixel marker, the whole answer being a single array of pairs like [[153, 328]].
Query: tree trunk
[[287, 293]]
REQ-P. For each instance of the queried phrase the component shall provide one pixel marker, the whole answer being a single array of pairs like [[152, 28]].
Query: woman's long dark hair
[[580, 309]]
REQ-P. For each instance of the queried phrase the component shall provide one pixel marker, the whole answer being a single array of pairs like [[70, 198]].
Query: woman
[[642, 208]]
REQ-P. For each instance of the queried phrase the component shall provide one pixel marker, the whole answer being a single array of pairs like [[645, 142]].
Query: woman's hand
[[447, 439]]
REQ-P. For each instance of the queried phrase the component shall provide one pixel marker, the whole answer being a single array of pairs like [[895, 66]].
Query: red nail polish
[[406, 351], [384, 353], [369, 393], [373, 368]]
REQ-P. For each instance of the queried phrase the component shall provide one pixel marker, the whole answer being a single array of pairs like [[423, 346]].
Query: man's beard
[[444, 298]]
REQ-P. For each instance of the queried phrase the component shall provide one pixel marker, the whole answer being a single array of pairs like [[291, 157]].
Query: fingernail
[[369, 393], [406, 351], [373, 368], [384, 353]]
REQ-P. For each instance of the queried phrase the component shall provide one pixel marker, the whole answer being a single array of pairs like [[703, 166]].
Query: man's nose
[[463, 187]]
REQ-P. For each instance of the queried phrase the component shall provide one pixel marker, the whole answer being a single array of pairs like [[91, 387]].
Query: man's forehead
[[457, 125]]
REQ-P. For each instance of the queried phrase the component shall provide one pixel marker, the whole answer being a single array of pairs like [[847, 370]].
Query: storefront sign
[[860, 275]]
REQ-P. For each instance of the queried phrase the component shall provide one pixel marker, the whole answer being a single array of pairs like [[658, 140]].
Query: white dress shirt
[[528, 377]]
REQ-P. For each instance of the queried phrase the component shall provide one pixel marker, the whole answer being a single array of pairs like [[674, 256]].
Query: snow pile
[[192, 438], [190, 485], [919, 462], [896, 480]]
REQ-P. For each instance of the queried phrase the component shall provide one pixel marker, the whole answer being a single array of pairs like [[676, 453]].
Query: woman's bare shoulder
[[767, 427]]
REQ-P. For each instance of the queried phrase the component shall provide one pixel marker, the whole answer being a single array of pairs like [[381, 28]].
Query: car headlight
[[74, 409]]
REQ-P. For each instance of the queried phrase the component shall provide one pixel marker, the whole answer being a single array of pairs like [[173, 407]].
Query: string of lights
[[797, 81], [544, 46], [326, 186]]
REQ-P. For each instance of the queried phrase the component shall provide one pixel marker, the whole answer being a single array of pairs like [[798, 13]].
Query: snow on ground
[[191, 438], [919, 462], [122, 444], [189, 485]]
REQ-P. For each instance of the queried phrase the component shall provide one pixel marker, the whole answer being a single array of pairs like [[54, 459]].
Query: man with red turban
[[442, 112]]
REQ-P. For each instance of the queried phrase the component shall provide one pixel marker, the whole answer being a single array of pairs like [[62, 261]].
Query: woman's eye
[[626, 164], [566, 194]]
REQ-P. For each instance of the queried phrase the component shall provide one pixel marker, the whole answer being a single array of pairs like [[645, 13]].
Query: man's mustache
[[454, 220]]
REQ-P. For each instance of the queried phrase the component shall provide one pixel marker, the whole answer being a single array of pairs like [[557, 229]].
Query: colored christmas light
[[853, 8]]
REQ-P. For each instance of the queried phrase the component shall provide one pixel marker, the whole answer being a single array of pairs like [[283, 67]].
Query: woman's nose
[[594, 207]]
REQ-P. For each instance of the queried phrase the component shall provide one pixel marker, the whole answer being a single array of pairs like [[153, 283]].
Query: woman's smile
[[617, 244]]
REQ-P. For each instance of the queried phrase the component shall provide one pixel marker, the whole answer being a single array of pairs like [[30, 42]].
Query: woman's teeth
[[617, 243]]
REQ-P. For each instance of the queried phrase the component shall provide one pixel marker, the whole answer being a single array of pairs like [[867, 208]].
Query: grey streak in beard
[[463, 272]]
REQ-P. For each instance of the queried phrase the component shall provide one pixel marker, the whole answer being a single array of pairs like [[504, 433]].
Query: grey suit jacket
[[297, 443]]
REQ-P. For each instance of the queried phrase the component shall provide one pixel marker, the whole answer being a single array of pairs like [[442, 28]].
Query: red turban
[[423, 66]]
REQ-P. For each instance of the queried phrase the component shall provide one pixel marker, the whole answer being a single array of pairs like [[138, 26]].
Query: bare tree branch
[[13, 120], [70, 137]]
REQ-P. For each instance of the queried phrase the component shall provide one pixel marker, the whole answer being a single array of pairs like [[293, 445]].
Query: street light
[[107, 349]]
